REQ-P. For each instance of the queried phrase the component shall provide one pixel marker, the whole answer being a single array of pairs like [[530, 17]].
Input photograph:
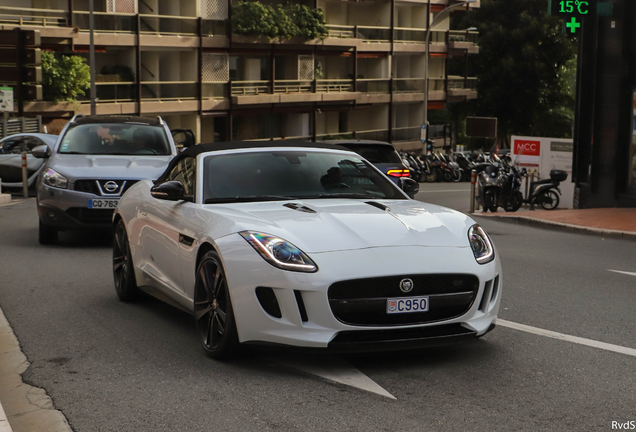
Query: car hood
[[343, 224], [110, 167]]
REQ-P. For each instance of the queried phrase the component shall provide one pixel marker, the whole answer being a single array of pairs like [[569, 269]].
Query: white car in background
[[303, 244]]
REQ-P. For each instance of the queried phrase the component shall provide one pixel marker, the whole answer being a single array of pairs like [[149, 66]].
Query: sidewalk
[[606, 222]]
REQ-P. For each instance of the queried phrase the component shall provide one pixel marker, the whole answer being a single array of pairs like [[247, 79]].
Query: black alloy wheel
[[123, 271], [213, 313], [549, 200], [47, 235], [514, 201]]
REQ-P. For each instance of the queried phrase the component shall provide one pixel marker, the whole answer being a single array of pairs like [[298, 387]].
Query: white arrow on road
[[333, 369], [623, 272]]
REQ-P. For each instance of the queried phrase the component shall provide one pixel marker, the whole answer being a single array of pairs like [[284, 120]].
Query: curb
[[560, 226], [4, 422]]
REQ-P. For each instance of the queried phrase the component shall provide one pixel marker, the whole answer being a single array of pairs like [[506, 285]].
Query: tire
[[430, 177], [213, 313], [47, 235], [514, 201], [448, 176], [490, 202], [549, 200], [457, 175], [123, 269]]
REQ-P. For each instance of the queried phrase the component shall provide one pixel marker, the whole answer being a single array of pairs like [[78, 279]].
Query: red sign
[[527, 148]]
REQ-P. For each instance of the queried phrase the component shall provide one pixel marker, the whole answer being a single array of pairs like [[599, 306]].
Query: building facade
[[180, 60], [604, 165]]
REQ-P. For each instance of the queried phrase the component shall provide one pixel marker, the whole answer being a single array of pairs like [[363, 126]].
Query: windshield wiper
[[252, 198]]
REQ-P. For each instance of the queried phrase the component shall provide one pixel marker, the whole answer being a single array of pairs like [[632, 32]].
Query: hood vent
[[299, 207], [378, 205]]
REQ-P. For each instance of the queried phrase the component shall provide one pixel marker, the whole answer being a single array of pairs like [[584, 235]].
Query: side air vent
[[268, 301], [485, 299], [301, 306], [378, 205], [299, 207]]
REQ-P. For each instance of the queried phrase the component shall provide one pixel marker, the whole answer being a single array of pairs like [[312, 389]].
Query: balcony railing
[[106, 22], [215, 90], [341, 31], [375, 135], [214, 28], [22, 16], [455, 82], [463, 36], [168, 25], [373, 85], [334, 85], [408, 85], [411, 133], [113, 92], [436, 84], [373, 34], [169, 90], [251, 88], [292, 86], [409, 35]]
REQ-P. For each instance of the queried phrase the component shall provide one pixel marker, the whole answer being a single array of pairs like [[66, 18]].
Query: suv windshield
[[376, 153], [280, 175], [115, 139]]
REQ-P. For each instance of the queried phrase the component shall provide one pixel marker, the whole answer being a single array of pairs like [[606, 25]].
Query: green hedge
[[284, 21]]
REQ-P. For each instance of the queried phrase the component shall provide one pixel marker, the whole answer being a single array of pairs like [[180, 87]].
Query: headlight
[[279, 253], [480, 244], [55, 179]]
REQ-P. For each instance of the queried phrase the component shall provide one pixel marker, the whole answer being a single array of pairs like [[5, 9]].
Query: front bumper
[[67, 209], [317, 327]]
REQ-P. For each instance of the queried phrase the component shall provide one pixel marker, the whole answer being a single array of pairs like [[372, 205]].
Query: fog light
[[52, 215]]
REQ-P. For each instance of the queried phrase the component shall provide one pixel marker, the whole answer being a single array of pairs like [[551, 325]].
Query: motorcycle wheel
[[490, 202], [549, 200], [514, 202], [457, 175], [430, 177], [448, 176]]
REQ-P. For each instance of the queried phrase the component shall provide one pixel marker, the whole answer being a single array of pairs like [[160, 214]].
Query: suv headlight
[[279, 253], [481, 245], [55, 179]]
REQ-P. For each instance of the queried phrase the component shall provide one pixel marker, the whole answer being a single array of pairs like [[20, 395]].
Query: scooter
[[546, 192]]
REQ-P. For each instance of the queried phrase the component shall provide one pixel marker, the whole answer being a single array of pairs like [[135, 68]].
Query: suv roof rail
[[160, 120], [76, 116]]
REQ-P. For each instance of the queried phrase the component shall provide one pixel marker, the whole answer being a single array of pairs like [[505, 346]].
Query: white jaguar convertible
[[303, 244]]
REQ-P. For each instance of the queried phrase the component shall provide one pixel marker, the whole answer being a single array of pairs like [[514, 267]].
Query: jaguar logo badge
[[406, 285], [111, 186]]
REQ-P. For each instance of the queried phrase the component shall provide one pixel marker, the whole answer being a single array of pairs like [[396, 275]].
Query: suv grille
[[93, 186], [363, 301]]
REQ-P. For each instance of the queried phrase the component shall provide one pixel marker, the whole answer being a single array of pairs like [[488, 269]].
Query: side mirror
[[183, 138], [409, 186], [171, 191], [41, 152]]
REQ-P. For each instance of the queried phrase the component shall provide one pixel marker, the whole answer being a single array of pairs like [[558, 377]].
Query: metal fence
[[20, 125]]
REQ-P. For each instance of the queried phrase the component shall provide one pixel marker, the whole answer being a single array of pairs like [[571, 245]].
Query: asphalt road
[[110, 366]]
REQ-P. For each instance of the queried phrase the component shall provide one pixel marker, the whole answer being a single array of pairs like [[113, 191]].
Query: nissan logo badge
[[111, 186], [406, 285]]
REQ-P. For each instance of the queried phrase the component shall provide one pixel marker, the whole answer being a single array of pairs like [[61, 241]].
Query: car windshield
[[280, 175], [115, 139], [376, 153]]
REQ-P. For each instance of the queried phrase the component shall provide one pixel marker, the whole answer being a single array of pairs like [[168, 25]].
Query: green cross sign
[[573, 25]]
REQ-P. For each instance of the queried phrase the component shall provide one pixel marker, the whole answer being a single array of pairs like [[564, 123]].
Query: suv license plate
[[406, 305], [102, 203]]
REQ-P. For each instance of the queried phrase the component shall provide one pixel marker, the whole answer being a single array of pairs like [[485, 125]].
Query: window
[[185, 172], [115, 139]]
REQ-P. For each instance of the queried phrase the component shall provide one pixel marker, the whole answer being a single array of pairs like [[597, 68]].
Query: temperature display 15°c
[[578, 8]]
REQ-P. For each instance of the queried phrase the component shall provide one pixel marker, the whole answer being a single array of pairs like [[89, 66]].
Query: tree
[[524, 68], [64, 78]]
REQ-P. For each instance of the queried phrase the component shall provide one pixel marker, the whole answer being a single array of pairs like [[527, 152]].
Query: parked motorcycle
[[499, 185], [546, 192]]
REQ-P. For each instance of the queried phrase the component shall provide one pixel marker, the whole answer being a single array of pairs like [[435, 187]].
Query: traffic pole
[[473, 182], [25, 183]]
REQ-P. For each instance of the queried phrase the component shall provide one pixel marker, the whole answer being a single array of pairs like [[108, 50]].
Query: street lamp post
[[428, 35], [91, 57]]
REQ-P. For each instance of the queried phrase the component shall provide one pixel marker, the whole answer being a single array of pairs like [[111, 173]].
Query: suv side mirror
[[41, 152], [409, 186], [171, 191], [183, 138]]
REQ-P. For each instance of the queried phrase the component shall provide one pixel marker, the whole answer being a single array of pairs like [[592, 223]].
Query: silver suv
[[94, 161]]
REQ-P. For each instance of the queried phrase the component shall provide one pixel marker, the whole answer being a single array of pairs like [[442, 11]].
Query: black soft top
[[195, 150]]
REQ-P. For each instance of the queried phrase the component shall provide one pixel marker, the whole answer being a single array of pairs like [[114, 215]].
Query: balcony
[[374, 85], [408, 85], [463, 40], [334, 85], [462, 87], [169, 90], [106, 22], [410, 133], [168, 25], [18, 16], [113, 92], [367, 34]]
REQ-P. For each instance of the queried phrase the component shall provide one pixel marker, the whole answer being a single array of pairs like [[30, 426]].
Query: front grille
[[91, 186], [363, 301], [91, 216]]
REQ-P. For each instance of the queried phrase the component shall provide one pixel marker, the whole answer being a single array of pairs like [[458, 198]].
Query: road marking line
[[623, 272], [334, 369], [568, 338]]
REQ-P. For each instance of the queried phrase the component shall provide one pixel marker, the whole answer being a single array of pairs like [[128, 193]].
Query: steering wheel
[[146, 151], [106, 141]]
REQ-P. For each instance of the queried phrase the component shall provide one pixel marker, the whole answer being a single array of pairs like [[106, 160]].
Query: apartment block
[[180, 60]]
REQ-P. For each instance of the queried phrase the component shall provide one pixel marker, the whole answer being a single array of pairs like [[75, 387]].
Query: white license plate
[[102, 203], [407, 305]]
